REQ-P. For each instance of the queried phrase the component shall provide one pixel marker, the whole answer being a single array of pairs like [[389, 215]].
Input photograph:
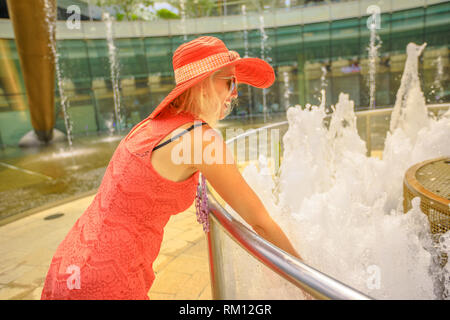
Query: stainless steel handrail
[[319, 285]]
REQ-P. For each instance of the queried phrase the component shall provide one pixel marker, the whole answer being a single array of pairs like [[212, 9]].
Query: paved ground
[[28, 244]]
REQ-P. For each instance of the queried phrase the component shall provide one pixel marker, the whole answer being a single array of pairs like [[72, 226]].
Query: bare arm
[[227, 180]]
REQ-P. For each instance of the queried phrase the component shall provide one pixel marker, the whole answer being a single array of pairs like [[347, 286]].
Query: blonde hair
[[201, 100]]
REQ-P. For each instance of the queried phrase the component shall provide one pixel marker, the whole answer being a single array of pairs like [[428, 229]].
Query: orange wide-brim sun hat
[[195, 60]]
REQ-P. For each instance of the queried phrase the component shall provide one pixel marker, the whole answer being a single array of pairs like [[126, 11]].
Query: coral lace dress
[[109, 252]]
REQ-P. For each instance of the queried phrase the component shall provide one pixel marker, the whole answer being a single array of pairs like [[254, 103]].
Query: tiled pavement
[[28, 244]]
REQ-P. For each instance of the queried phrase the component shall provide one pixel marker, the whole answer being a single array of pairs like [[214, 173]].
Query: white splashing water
[[323, 77], [374, 45], [114, 69], [51, 23], [410, 111], [343, 210], [183, 19], [437, 87]]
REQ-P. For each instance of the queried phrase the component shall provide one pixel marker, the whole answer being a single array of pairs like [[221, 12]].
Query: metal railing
[[313, 282], [302, 276]]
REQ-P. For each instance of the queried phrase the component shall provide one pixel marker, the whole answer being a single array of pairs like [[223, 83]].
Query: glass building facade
[[330, 55]]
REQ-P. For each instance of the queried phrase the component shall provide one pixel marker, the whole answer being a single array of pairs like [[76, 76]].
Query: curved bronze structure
[[36, 59]]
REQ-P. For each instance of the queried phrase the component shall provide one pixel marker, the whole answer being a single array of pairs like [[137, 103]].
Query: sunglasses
[[232, 83]]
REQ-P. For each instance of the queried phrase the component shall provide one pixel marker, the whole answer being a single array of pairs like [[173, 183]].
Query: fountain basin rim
[[378, 111]]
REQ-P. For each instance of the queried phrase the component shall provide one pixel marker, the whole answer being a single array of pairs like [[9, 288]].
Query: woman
[[109, 252]]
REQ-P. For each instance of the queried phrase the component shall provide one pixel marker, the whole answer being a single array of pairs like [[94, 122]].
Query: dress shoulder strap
[[179, 135], [146, 134]]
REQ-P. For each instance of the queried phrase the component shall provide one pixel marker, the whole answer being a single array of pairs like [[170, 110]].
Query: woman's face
[[223, 89]]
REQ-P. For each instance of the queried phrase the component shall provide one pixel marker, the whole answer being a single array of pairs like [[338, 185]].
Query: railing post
[[214, 251]]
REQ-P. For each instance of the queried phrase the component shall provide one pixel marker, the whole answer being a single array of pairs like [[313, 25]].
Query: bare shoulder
[[220, 169], [208, 148]]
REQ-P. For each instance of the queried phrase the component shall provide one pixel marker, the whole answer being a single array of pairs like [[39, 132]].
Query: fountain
[[343, 210], [323, 85], [323, 78], [183, 19], [373, 23], [114, 68], [109, 122], [410, 111], [437, 87], [263, 42], [49, 9]]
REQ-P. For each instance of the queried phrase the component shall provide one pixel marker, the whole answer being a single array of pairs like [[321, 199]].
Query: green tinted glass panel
[[437, 26], [235, 41], [74, 62], [407, 26], [345, 38], [158, 52], [316, 41], [98, 58], [289, 44], [131, 56]]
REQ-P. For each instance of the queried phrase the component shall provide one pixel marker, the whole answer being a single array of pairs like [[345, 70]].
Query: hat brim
[[252, 71]]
